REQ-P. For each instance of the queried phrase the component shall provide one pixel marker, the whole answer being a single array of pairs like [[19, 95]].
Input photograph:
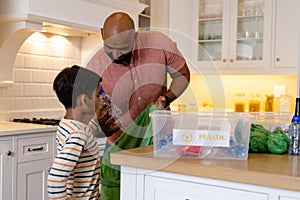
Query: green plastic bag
[[258, 139], [137, 134], [277, 142]]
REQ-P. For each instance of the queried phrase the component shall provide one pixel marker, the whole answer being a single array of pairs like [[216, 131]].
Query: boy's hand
[[106, 121]]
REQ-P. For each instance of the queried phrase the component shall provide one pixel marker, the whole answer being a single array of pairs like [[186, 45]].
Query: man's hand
[[162, 103], [106, 121]]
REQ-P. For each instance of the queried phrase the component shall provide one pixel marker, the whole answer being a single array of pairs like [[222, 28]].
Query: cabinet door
[[235, 33], [6, 169], [32, 180], [162, 188], [213, 29], [286, 33], [250, 34]]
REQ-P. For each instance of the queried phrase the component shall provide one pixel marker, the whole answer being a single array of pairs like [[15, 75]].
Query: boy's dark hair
[[74, 81]]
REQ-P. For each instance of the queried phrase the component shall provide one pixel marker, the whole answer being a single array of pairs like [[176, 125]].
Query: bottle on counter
[[239, 103], [294, 131], [269, 103], [254, 102], [285, 103], [106, 100]]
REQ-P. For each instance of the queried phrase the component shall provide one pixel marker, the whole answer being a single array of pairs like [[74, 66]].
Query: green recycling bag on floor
[[137, 134]]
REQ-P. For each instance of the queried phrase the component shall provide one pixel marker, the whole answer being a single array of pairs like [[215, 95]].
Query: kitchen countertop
[[8, 128], [270, 170]]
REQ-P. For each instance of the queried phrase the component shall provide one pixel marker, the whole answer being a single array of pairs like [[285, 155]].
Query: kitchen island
[[261, 177]]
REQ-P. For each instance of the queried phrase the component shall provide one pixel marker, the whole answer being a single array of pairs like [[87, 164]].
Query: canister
[[240, 102], [254, 102]]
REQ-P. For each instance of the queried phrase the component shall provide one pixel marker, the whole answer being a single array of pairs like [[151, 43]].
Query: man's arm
[[180, 81]]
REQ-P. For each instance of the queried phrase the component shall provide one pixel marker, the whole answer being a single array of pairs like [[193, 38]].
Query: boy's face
[[93, 103], [96, 96]]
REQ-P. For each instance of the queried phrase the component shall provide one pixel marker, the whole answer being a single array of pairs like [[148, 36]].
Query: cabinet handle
[[224, 60], [231, 60], [277, 59], [35, 149], [9, 153]]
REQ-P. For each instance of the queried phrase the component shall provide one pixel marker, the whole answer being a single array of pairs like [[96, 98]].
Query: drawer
[[157, 188], [35, 148]]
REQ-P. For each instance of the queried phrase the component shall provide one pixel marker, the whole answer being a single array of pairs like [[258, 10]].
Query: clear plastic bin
[[273, 120], [220, 135]]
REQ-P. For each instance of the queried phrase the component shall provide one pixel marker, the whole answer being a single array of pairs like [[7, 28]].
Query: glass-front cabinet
[[234, 33]]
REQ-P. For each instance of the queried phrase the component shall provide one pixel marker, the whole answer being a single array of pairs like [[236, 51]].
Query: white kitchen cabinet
[[144, 184], [157, 188], [231, 35], [32, 179], [24, 163], [286, 34], [6, 169], [35, 156], [156, 15]]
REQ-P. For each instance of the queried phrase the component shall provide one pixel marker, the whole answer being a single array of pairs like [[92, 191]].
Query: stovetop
[[46, 121]]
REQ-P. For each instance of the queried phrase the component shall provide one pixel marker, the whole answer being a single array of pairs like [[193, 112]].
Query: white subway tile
[[39, 103], [51, 76], [26, 47], [54, 103], [6, 104], [19, 61], [15, 91], [46, 90], [39, 76], [22, 75], [56, 50], [70, 52], [63, 64], [33, 62], [23, 103], [32, 90], [2, 92], [40, 48]]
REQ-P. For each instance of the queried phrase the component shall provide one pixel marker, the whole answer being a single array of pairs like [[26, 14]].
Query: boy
[[75, 173]]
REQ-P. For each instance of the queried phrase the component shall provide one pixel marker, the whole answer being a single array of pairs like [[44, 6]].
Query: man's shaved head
[[117, 23], [119, 36]]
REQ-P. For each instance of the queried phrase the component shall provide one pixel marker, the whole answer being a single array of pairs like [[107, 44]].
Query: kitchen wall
[[38, 61], [219, 91]]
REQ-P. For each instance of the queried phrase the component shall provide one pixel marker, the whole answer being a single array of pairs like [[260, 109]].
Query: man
[[134, 67]]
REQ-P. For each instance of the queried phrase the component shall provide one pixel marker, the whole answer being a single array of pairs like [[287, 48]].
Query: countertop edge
[[143, 158]]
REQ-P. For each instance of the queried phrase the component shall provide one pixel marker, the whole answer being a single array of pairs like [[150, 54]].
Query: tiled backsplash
[[38, 61]]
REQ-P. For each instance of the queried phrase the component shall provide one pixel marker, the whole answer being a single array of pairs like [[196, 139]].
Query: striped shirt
[[75, 173]]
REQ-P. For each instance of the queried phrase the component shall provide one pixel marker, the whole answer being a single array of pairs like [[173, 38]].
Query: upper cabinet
[[156, 15], [286, 34], [237, 36], [144, 17]]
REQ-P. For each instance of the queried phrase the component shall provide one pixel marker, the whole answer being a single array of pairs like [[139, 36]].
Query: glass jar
[[285, 103], [240, 103], [269, 103], [254, 103]]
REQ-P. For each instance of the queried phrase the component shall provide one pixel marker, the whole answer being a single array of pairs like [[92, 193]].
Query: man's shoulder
[[151, 34]]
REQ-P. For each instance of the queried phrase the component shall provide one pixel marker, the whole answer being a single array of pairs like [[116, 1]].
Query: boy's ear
[[81, 100]]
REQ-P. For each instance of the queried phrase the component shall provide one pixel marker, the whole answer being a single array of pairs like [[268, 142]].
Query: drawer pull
[[36, 149], [9, 153]]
